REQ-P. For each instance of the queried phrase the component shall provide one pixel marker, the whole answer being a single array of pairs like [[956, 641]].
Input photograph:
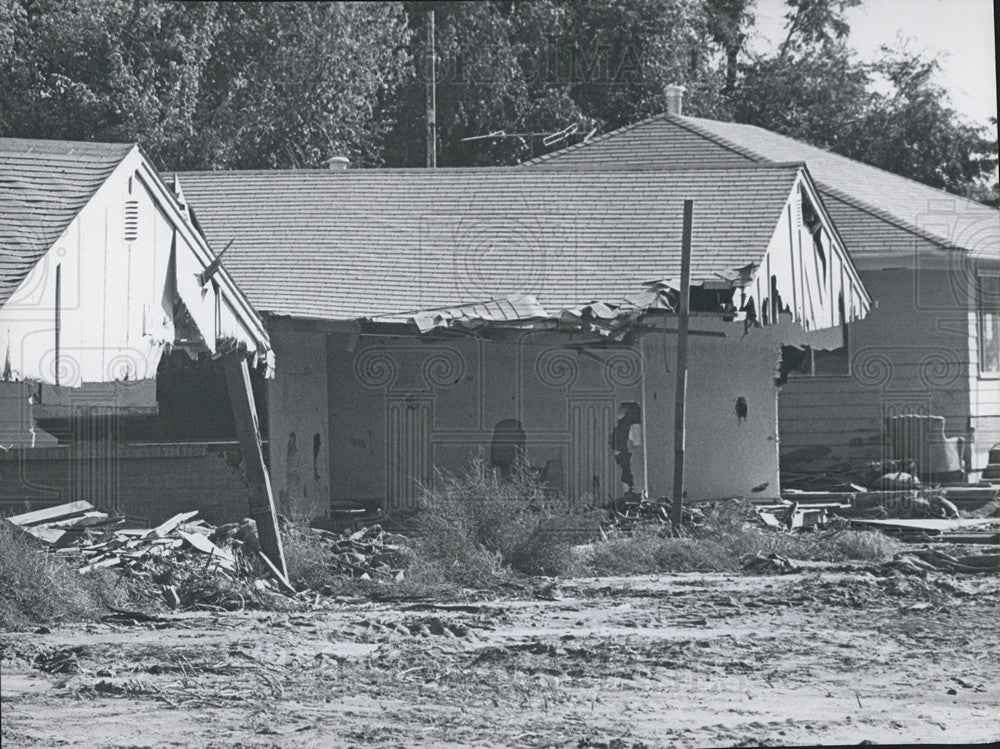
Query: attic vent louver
[[131, 220]]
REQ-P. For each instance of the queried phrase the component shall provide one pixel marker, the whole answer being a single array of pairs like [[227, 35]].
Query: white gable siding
[[116, 309]]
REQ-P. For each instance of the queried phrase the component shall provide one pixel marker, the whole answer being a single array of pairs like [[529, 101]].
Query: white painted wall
[[116, 311]]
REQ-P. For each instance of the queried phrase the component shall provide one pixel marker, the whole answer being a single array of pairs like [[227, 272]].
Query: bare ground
[[680, 660]]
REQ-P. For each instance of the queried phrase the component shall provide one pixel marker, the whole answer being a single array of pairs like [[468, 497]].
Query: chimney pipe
[[338, 163], [675, 99]]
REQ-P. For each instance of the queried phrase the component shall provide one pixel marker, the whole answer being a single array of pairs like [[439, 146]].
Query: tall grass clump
[[475, 525], [37, 586]]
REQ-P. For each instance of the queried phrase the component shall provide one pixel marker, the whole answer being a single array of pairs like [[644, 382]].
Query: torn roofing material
[[511, 309], [948, 220], [44, 184], [359, 244], [607, 318]]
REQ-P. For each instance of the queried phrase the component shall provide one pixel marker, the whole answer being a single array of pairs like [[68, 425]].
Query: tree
[[258, 85], [810, 24], [821, 97], [890, 114], [537, 68], [648, 45], [728, 24], [101, 69], [494, 73], [204, 85], [293, 84], [914, 130]]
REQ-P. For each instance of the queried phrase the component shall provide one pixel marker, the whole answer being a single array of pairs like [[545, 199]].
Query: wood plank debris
[[949, 514], [262, 508], [180, 546], [927, 524], [51, 514], [185, 548], [164, 529]]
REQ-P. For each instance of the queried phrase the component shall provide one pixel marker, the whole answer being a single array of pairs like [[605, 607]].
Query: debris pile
[[186, 562], [635, 509], [370, 553], [183, 561], [78, 529]]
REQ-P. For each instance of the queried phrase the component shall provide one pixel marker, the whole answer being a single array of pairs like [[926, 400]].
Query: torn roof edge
[[605, 317]]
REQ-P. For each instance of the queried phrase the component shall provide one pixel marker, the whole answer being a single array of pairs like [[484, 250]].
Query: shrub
[[39, 586], [476, 524]]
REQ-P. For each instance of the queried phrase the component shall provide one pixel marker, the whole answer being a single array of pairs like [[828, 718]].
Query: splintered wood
[[77, 528]]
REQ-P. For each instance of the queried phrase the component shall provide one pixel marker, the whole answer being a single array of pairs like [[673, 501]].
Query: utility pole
[[431, 68], [680, 392]]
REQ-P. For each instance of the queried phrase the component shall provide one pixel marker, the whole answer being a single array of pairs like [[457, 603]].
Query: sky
[[959, 31]]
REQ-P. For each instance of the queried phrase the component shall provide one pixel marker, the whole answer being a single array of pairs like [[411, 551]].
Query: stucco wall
[[401, 406], [298, 423]]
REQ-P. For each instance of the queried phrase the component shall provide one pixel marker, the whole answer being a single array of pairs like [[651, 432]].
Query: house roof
[[363, 243], [948, 220], [43, 185]]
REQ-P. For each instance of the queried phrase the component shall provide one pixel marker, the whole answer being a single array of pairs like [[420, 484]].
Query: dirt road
[[681, 660]]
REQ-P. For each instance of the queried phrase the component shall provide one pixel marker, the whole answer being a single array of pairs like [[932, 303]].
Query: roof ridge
[[831, 152], [695, 126], [823, 185], [597, 139], [74, 143], [595, 167], [693, 166]]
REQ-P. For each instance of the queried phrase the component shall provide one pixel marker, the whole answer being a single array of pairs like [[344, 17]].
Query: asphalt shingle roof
[[43, 185], [361, 243], [946, 219]]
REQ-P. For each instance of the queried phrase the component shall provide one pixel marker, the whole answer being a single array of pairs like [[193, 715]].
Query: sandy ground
[[679, 660]]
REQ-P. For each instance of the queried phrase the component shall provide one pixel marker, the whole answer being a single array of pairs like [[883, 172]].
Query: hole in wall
[[623, 437], [316, 446], [507, 446], [742, 409]]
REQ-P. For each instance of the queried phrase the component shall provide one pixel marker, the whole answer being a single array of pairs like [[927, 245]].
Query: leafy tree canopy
[[258, 85]]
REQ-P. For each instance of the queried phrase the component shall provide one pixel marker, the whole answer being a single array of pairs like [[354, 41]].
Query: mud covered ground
[[682, 660]]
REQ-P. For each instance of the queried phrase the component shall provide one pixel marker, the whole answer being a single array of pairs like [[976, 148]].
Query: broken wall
[[298, 427]]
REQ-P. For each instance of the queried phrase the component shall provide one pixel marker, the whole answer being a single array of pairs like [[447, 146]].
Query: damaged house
[[423, 317], [124, 343], [931, 260]]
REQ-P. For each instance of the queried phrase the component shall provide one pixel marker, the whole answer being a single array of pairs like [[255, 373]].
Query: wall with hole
[[401, 407], [298, 424]]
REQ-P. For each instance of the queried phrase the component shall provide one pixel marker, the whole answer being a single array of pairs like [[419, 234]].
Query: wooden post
[[431, 94], [680, 391], [248, 430]]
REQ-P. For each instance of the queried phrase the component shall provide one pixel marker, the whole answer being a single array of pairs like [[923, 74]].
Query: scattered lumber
[[185, 554], [175, 549], [367, 554]]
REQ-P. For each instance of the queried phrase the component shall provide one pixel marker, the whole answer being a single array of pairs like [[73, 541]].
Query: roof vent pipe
[[338, 163], [675, 99]]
